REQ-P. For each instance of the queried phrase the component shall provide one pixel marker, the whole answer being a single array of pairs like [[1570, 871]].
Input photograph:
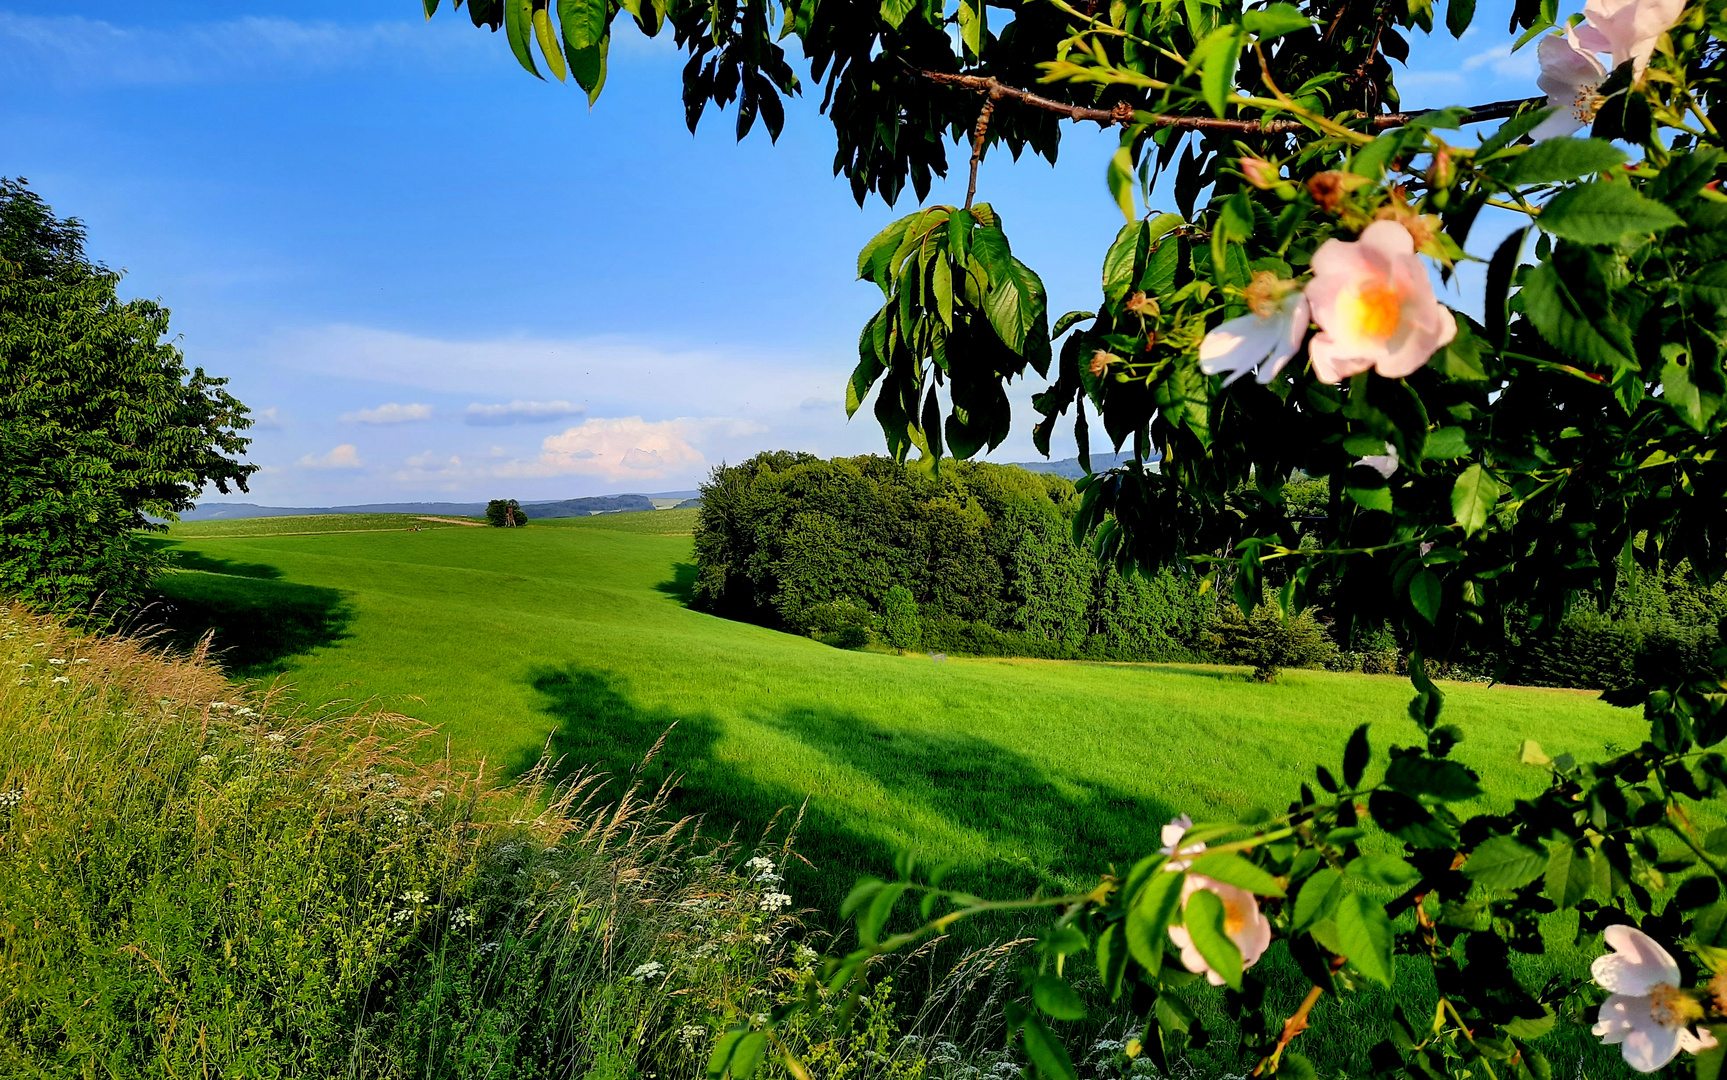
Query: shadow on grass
[[967, 782], [682, 586], [256, 620]]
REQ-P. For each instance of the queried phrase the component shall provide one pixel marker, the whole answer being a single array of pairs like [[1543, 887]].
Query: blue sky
[[433, 276]]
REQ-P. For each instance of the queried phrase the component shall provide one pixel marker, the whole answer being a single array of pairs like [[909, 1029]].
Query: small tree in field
[[1267, 310], [505, 514], [901, 623], [1271, 638], [101, 424]]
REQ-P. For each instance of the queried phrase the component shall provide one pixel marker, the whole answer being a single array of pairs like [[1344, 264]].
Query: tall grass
[[196, 880]]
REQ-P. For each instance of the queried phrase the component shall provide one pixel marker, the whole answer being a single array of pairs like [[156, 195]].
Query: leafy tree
[[505, 513], [901, 624], [102, 427], [1478, 471], [1272, 639]]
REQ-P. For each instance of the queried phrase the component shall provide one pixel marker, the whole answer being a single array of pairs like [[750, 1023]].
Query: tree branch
[[1123, 113], [977, 138]]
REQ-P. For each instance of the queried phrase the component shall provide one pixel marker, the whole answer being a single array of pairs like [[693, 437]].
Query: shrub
[[1271, 639], [505, 513], [901, 624], [195, 880], [102, 427]]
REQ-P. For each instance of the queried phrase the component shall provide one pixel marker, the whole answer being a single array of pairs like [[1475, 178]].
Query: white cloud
[[432, 461], [1505, 64], [344, 456], [389, 413], [521, 412], [271, 419], [75, 50], [627, 448]]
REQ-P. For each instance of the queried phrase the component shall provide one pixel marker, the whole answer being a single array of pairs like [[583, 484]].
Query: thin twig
[[978, 135], [1124, 114]]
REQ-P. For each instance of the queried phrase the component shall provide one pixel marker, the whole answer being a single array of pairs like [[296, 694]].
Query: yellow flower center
[[1374, 308], [1234, 918], [1671, 1007], [1586, 104]]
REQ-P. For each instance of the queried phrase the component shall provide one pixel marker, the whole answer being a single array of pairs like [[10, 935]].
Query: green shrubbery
[[983, 554], [194, 881], [502, 513]]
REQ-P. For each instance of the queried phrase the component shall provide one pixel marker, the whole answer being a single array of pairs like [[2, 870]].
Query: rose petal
[[1635, 965]]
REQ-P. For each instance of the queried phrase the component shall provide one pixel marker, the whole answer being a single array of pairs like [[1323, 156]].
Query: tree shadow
[[256, 621], [682, 586], [1045, 828]]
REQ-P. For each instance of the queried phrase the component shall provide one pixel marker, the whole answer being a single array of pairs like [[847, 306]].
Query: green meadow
[[573, 635]]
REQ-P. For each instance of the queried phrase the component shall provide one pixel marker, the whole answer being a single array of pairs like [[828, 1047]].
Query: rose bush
[[1480, 471]]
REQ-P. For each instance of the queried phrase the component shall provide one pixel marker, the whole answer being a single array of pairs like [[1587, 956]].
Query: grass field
[[574, 631], [573, 634]]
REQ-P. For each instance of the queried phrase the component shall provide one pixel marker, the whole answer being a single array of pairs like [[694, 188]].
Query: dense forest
[[981, 560], [985, 552]]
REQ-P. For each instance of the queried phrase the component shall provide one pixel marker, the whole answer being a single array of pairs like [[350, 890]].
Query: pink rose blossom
[[1628, 29], [1242, 920], [1570, 77], [1375, 306]]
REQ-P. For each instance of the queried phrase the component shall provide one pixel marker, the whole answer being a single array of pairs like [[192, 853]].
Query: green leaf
[[1203, 917], [862, 892], [724, 1050], [1603, 213], [1274, 20], [1568, 876], [1473, 497], [1120, 178], [748, 1055], [1232, 869], [1709, 1062], [1530, 753], [1373, 496], [1370, 161], [973, 26], [1293, 1066], [1217, 56], [872, 918], [1563, 159], [1445, 444], [518, 27], [1364, 931], [1355, 756], [1057, 998], [1425, 595], [1510, 131], [1587, 333], [1318, 897], [1118, 262], [1048, 1056], [583, 23], [548, 40], [1523, 1027], [1418, 776], [1148, 919], [1504, 863], [941, 280], [1458, 15], [894, 12], [1388, 870]]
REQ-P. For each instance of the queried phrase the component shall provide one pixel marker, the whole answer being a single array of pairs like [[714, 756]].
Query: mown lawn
[[573, 635]]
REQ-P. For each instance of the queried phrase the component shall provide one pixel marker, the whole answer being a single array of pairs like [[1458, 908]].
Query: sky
[[432, 276]]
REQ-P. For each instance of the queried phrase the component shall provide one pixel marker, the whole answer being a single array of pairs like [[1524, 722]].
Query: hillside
[[573, 631]]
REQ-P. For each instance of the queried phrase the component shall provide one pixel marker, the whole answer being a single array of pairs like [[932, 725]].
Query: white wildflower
[[56, 661], [207, 759], [275, 737], [61, 679], [774, 901], [649, 971]]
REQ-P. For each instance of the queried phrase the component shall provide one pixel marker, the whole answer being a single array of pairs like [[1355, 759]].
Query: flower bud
[[1328, 188], [1442, 173], [1261, 174]]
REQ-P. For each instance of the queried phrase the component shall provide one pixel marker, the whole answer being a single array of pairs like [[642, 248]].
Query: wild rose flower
[[1628, 29], [1375, 306], [1263, 340], [1570, 77], [1384, 464], [1242, 920], [1100, 362], [1645, 1014]]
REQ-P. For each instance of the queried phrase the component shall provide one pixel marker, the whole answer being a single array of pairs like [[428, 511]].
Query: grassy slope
[[573, 630], [1023, 770]]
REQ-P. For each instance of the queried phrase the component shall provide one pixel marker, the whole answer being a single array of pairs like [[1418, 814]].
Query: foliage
[[1271, 639], [984, 553], [101, 425], [196, 878], [901, 624], [502, 513], [1479, 472]]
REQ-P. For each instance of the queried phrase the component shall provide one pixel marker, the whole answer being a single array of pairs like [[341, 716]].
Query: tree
[[901, 624], [1516, 464], [505, 513], [102, 427]]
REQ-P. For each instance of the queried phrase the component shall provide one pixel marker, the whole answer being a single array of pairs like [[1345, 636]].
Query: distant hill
[[1070, 468], [562, 508]]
